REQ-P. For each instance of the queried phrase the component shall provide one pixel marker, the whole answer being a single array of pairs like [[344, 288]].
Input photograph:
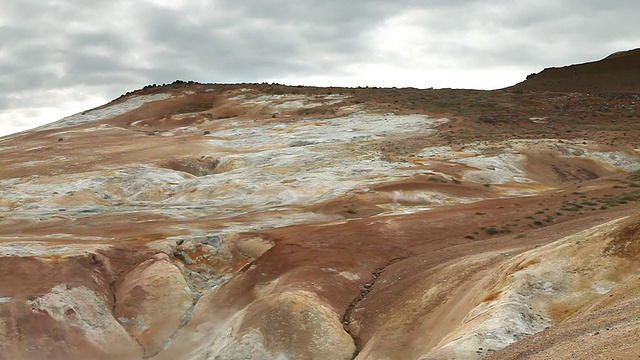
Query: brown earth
[[617, 73], [254, 221]]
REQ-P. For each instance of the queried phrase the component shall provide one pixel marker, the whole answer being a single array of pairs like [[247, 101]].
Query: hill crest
[[616, 73]]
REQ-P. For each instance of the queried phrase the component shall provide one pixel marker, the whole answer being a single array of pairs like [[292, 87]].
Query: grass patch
[[192, 108], [630, 196], [492, 230]]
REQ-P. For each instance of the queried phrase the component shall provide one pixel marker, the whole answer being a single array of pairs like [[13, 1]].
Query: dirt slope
[[203, 221], [617, 73]]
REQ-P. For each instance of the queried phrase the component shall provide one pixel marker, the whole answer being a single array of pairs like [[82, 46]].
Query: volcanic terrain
[[262, 221]]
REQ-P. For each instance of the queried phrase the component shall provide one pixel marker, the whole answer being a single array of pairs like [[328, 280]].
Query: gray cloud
[[57, 57]]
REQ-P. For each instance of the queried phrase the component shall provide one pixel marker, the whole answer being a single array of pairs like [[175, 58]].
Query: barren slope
[[617, 73], [196, 221]]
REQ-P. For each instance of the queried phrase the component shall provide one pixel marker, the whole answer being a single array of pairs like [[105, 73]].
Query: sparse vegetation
[[491, 231], [436, 179]]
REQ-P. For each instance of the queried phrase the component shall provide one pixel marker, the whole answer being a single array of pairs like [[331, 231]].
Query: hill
[[617, 73], [254, 221]]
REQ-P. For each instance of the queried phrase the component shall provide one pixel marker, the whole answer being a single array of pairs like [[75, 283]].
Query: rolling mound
[[256, 221]]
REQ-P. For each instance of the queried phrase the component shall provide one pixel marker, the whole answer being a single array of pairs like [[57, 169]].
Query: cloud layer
[[58, 57]]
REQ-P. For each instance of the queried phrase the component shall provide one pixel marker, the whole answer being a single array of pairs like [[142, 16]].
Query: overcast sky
[[59, 57]]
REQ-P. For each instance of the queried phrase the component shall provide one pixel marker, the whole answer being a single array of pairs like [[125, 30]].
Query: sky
[[60, 57]]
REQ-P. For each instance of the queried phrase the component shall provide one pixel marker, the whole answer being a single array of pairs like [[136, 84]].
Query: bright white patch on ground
[[523, 303], [344, 274], [422, 197], [618, 160], [91, 316], [349, 275], [495, 169], [106, 112], [273, 169], [603, 286], [446, 153], [539, 120], [133, 184], [44, 249], [503, 161], [303, 163], [291, 101], [266, 170]]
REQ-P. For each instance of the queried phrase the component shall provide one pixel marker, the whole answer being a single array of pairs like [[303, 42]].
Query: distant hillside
[[619, 73]]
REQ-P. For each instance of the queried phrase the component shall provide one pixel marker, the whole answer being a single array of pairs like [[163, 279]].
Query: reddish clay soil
[[396, 269]]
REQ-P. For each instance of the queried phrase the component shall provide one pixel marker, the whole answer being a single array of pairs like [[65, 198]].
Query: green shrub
[[630, 196], [436, 179], [491, 231]]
